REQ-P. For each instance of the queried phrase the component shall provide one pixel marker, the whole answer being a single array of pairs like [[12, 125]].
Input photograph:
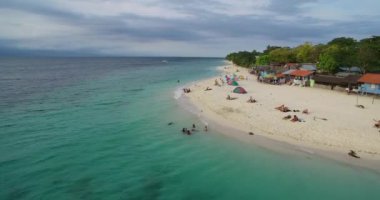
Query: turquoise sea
[[97, 128]]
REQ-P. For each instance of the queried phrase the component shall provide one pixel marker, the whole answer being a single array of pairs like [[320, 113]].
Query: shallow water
[[96, 128]]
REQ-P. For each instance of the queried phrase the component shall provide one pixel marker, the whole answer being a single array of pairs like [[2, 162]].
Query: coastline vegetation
[[339, 52]]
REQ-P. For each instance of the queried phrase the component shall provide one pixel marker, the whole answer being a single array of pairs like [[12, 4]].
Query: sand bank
[[347, 127]]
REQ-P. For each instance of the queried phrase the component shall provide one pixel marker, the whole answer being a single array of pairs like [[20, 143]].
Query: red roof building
[[370, 78], [301, 73]]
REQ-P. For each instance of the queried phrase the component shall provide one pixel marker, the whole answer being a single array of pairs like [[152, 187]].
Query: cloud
[[178, 27]]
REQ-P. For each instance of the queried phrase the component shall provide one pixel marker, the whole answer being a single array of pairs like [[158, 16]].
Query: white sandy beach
[[347, 127]]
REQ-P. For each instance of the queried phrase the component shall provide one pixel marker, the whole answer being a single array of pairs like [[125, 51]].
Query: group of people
[[251, 100], [193, 129], [294, 119], [284, 108], [186, 90]]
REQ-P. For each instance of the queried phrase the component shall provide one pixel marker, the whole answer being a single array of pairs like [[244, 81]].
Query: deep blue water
[[96, 128]]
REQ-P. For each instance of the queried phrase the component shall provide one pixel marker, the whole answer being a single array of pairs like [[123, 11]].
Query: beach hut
[[239, 90], [370, 83], [233, 83], [301, 76]]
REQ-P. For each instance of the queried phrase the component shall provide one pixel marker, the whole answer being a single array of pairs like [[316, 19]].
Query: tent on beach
[[240, 90], [233, 83]]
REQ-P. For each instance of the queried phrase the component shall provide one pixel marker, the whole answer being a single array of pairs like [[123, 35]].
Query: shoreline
[[264, 138]]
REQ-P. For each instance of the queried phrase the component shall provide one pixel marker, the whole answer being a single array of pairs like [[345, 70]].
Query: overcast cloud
[[177, 27]]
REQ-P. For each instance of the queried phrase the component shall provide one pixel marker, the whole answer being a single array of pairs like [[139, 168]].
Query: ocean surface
[[97, 128]]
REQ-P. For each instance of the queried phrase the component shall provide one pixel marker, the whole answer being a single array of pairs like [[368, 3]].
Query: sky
[[177, 27]]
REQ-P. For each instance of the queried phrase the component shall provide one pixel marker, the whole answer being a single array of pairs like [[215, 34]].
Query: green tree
[[282, 55], [243, 58], [304, 53], [327, 60], [262, 60], [342, 41], [368, 54], [347, 51], [269, 49], [316, 52]]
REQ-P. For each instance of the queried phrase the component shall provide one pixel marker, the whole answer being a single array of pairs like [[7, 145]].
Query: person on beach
[[306, 111], [205, 128], [186, 90], [295, 118], [353, 154], [188, 132], [208, 88], [228, 97], [194, 126], [251, 100], [184, 130], [377, 124], [216, 83], [282, 108]]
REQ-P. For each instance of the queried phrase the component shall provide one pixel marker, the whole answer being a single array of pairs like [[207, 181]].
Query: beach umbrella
[[240, 90]]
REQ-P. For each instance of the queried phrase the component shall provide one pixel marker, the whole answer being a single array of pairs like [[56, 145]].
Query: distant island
[[342, 52]]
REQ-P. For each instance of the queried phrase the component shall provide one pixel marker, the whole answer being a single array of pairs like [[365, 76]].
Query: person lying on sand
[[353, 154], [295, 119], [251, 100], [377, 124], [279, 107], [306, 111], [208, 88], [287, 117], [360, 106], [230, 98], [283, 108]]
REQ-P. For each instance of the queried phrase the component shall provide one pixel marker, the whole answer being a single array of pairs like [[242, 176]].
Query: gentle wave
[[178, 93]]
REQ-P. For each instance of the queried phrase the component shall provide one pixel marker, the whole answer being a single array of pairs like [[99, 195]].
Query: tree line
[[339, 52]]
